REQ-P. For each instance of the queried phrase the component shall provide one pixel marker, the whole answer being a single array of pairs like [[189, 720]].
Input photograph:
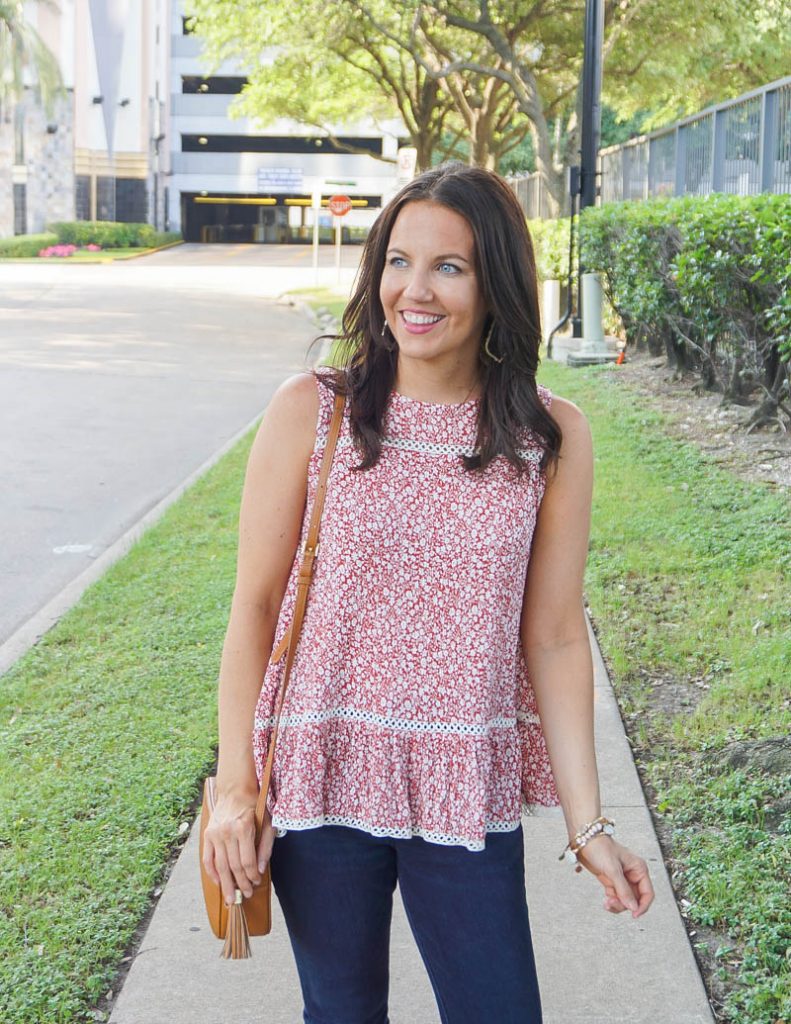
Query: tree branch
[[356, 150]]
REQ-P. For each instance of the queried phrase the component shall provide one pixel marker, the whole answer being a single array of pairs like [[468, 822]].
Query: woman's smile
[[420, 323]]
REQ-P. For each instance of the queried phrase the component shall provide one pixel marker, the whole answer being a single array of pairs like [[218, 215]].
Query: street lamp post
[[591, 101], [587, 327]]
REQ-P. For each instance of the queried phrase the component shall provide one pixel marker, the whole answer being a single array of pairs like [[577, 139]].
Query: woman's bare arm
[[554, 633], [557, 651], [270, 520]]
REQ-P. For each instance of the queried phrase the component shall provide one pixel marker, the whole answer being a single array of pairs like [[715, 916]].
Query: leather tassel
[[237, 936]]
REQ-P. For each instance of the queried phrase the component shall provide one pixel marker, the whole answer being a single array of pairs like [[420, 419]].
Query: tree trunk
[[481, 154], [552, 177], [424, 144]]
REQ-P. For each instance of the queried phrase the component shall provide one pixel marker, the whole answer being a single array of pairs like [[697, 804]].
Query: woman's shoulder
[[565, 412], [576, 447], [296, 400], [305, 402]]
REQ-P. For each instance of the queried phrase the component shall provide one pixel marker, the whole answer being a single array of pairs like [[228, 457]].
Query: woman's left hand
[[623, 874]]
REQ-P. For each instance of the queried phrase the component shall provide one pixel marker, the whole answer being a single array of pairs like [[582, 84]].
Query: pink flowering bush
[[58, 250], [67, 250]]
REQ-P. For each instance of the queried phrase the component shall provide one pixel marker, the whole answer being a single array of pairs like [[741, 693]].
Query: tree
[[675, 58], [22, 52], [535, 52], [496, 71], [437, 73], [316, 70], [670, 58]]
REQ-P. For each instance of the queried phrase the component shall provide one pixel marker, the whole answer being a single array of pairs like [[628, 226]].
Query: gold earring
[[487, 350]]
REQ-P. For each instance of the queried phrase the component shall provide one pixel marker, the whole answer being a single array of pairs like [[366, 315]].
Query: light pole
[[586, 325], [591, 100], [591, 127]]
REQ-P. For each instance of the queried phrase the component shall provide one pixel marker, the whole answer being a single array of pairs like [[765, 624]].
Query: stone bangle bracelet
[[601, 826]]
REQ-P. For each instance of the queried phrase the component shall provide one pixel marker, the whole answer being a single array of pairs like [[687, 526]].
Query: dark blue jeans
[[467, 910]]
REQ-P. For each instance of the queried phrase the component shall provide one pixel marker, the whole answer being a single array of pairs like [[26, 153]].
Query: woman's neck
[[427, 386]]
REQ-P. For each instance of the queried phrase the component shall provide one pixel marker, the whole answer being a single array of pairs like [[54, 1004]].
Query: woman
[[453, 546]]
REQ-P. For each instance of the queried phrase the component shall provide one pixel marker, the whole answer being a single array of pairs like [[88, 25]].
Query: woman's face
[[429, 290]]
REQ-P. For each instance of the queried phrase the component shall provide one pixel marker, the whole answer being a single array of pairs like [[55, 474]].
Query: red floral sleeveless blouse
[[410, 710]]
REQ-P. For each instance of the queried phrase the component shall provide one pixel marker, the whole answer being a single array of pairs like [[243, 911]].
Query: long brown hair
[[506, 272]]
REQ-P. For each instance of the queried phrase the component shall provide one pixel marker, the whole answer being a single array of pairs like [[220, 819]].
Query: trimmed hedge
[[707, 280], [551, 247], [111, 235], [107, 234], [23, 246]]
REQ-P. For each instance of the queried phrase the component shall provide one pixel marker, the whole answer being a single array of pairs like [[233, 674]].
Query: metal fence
[[742, 146], [533, 195]]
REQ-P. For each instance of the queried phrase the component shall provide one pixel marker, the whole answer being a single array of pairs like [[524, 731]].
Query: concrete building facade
[[144, 133], [90, 156]]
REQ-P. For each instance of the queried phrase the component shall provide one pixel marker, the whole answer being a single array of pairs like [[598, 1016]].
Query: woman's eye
[[396, 261], [444, 267]]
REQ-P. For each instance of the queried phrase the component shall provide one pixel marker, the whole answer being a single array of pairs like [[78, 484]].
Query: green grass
[[689, 580], [108, 726], [106, 729]]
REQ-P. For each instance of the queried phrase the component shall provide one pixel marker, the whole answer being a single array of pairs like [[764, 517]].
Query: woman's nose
[[418, 286]]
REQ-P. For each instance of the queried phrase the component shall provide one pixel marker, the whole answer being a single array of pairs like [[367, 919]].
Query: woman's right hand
[[229, 854]]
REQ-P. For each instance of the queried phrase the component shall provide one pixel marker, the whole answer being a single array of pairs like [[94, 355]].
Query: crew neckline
[[434, 405]]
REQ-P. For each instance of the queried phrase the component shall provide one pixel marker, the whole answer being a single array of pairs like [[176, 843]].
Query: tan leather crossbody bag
[[253, 916]]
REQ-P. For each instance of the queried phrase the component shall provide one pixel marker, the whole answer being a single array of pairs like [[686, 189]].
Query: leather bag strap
[[303, 583]]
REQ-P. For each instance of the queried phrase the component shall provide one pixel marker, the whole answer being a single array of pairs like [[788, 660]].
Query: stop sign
[[340, 205]]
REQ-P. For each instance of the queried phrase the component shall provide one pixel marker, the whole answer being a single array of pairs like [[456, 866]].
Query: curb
[[149, 252], [297, 302]]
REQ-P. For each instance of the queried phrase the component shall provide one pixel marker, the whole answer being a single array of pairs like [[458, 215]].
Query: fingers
[[208, 861], [623, 892], [215, 862], [631, 891], [645, 891], [627, 884], [611, 900], [230, 857], [242, 861], [227, 881]]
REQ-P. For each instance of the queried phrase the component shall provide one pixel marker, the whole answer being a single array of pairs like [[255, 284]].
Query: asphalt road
[[119, 380], [282, 256]]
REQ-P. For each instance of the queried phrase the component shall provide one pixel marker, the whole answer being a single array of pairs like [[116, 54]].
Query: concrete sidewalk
[[593, 966]]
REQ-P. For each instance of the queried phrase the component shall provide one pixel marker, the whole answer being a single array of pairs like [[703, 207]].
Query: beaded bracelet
[[599, 826]]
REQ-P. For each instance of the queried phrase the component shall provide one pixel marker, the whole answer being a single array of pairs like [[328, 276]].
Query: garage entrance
[[280, 219]]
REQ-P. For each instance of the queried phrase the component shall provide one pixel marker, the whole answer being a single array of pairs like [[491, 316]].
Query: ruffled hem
[[286, 825], [449, 788], [537, 780]]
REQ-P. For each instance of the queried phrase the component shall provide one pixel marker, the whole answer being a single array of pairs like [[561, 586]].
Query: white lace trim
[[401, 724], [409, 444], [283, 825], [529, 717]]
